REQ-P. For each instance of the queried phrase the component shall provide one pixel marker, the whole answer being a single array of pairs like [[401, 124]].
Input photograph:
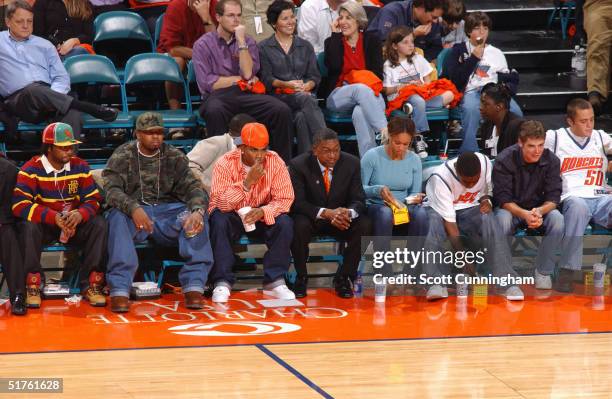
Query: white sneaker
[[514, 293], [436, 292], [281, 292], [220, 294], [542, 281], [420, 145]]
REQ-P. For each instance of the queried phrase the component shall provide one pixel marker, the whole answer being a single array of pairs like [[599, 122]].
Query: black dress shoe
[[107, 114], [343, 286], [300, 286], [18, 305], [565, 281]]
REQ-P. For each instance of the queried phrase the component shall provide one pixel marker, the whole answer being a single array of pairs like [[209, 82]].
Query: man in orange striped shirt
[[251, 186]]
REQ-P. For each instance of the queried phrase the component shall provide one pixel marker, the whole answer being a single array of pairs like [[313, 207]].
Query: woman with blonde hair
[[68, 24], [348, 50]]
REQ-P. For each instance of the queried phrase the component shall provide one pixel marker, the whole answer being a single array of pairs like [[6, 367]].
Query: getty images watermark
[[458, 259]]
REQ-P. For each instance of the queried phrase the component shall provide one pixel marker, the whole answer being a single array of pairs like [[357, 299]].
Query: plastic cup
[[380, 293], [599, 271], [411, 199], [462, 287], [242, 213], [181, 217]]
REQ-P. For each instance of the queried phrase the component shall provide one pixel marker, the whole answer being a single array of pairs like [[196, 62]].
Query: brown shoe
[[120, 304], [33, 290], [194, 300]]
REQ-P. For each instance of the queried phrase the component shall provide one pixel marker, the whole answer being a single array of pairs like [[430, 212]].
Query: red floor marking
[[58, 326]]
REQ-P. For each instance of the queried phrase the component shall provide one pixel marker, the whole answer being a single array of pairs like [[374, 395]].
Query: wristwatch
[[245, 47]]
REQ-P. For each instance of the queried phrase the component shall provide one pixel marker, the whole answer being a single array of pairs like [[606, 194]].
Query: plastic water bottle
[[581, 62], [575, 59], [380, 292], [63, 238], [358, 285]]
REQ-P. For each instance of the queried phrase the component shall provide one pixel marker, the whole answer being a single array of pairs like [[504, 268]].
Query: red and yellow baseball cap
[[253, 135], [59, 134]]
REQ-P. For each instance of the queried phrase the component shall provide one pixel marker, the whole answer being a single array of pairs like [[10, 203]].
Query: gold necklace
[[285, 46]]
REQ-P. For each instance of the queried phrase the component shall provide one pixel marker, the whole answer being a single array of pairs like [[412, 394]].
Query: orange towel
[[284, 90], [427, 91], [88, 47], [366, 77], [256, 88]]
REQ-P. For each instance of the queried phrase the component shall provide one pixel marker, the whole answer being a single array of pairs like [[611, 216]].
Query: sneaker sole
[[271, 293], [218, 301], [515, 298], [98, 305], [33, 306]]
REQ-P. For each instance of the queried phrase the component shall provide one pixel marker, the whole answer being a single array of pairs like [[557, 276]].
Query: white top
[[314, 22], [406, 72], [583, 161], [492, 62], [492, 142], [446, 194]]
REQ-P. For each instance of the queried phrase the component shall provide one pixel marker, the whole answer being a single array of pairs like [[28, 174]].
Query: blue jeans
[[578, 213], [167, 231], [226, 228], [470, 119], [419, 111], [482, 228], [368, 112], [552, 225]]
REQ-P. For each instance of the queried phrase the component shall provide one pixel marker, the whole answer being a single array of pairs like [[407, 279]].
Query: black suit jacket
[[511, 126], [345, 191]]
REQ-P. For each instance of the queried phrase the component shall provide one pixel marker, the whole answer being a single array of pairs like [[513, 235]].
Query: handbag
[[400, 215]]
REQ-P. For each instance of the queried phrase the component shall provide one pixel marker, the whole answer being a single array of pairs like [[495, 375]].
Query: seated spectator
[[226, 62], [349, 50], [149, 10], [390, 173], [204, 155], [404, 67], [329, 199], [527, 190], [41, 94], [184, 22], [453, 25], [586, 198], [251, 186], [470, 66], [153, 194], [68, 25], [101, 6], [11, 247], [316, 18], [598, 27], [289, 69], [57, 198], [420, 15], [459, 203], [499, 128]]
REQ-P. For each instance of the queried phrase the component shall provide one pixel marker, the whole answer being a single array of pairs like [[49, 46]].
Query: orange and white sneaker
[[94, 293]]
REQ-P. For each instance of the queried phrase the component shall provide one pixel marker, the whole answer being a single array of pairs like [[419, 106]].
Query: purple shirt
[[213, 58]]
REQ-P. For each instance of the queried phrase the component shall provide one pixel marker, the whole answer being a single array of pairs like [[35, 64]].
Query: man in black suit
[[329, 199]]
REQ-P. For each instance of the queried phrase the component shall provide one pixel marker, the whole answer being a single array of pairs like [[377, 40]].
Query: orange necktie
[[326, 179]]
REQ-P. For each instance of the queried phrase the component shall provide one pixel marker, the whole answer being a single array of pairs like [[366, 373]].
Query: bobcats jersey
[[583, 165], [446, 194]]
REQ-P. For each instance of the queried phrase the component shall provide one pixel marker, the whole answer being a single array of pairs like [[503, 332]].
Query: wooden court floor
[[546, 347]]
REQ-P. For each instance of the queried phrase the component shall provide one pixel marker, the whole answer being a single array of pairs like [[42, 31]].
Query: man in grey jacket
[[204, 155]]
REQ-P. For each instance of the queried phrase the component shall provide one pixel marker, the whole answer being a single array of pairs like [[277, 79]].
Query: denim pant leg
[[553, 226], [225, 228], [470, 120], [434, 241], [195, 251], [514, 108], [122, 256], [419, 115], [368, 112], [277, 258], [382, 230], [602, 210], [577, 214]]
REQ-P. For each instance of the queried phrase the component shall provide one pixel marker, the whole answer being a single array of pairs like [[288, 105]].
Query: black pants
[[150, 15], [11, 258], [97, 10], [90, 236], [221, 105], [36, 103], [304, 229]]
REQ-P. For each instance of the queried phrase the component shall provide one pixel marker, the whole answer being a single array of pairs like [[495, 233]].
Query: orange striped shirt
[[273, 193]]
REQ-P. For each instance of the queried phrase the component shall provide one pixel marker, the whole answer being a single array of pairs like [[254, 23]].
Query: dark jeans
[[221, 105], [305, 228], [90, 236], [226, 228], [11, 258]]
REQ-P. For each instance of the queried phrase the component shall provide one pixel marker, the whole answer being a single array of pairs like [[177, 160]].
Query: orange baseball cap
[[253, 135]]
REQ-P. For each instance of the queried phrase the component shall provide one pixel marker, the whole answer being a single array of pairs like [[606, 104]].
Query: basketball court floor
[[548, 346]]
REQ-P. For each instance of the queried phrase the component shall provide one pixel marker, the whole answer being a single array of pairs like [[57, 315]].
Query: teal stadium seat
[[158, 68], [98, 70], [158, 28], [120, 35], [194, 93]]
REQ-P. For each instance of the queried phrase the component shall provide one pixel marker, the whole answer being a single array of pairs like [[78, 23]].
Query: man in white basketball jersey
[[459, 202], [582, 152]]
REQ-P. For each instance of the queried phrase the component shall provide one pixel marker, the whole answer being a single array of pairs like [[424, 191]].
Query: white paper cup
[[242, 213], [599, 272]]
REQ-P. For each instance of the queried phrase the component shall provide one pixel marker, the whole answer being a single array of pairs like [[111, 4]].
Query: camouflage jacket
[[127, 172]]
